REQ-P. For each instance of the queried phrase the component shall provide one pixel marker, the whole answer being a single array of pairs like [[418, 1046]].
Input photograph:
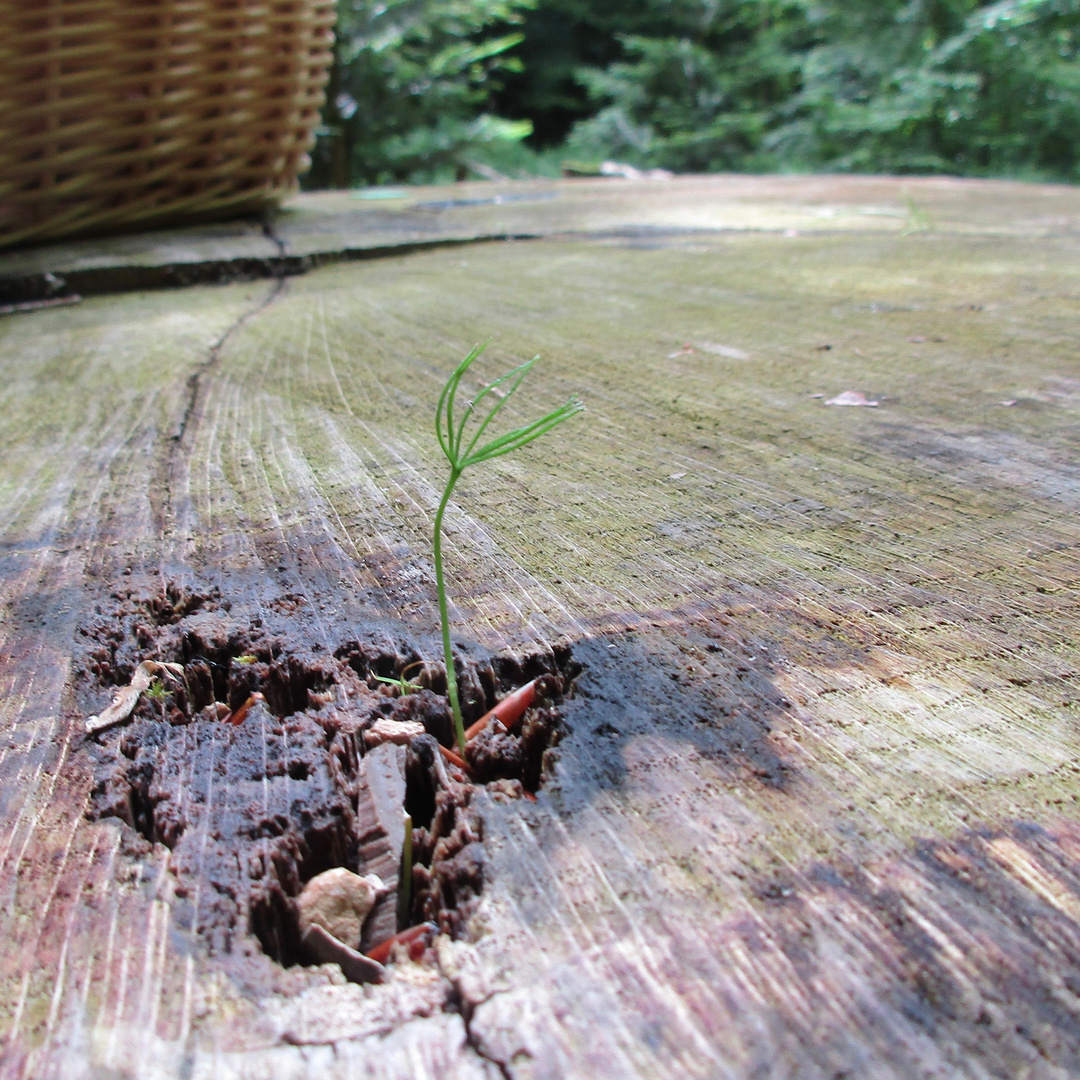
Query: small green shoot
[[461, 455], [157, 691], [918, 219], [404, 686]]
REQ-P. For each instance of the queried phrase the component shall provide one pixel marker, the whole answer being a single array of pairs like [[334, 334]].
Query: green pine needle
[[461, 455]]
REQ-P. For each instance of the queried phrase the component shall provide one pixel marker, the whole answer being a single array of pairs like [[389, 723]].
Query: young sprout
[[157, 691], [404, 685], [462, 454]]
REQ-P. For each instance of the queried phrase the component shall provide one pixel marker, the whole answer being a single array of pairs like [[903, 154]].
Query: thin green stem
[[444, 615], [451, 435]]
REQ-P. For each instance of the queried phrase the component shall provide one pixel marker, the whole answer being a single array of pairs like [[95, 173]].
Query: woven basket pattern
[[121, 113]]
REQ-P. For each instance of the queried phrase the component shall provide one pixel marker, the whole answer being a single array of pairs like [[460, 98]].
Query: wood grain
[[816, 815]]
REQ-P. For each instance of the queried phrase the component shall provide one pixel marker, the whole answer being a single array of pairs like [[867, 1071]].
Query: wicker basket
[[123, 113]]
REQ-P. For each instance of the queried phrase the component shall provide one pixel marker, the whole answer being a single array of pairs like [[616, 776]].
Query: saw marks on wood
[[89, 402], [816, 812]]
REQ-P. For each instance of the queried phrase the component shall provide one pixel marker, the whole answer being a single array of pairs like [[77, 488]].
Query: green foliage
[[898, 85], [938, 86], [437, 89], [461, 455], [701, 97], [409, 89], [157, 691], [561, 37]]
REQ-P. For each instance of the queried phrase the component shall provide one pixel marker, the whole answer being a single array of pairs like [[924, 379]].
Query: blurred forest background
[[435, 90]]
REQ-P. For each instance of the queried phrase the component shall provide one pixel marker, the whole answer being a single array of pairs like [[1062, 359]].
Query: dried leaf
[[125, 699]]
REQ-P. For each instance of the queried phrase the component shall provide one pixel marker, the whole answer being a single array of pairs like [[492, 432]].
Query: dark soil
[[253, 810]]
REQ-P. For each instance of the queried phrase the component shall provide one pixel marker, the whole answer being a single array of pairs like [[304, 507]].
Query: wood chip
[[400, 732], [327, 949], [380, 827]]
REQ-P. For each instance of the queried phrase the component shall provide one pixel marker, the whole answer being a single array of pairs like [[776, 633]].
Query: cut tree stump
[[815, 814]]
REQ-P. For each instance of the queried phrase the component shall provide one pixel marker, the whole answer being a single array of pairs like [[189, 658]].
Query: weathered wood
[[380, 829], [317, 227], [816, 815]]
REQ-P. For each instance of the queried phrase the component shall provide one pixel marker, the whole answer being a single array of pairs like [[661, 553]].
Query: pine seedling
[[404, 686], [461, 455]]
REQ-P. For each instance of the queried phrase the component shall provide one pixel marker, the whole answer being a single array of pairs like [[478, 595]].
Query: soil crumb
[[270, 762]]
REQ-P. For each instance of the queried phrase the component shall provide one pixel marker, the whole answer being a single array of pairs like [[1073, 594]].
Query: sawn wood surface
[[816, 815]]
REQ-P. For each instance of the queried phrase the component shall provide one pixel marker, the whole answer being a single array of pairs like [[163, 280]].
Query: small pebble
[[339, 901]]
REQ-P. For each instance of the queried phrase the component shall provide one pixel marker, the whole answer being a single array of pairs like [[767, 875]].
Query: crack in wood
[[174, 453], [121, 278]]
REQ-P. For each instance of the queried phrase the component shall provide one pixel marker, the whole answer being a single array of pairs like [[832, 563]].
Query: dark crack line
[[214, 356], [179, 443], [30, 291], [271, 234], [108, 280], [457, 1002]]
